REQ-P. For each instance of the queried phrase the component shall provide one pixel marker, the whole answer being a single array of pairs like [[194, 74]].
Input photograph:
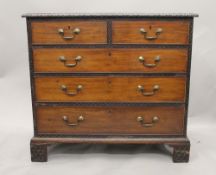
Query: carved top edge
[[35, 15]]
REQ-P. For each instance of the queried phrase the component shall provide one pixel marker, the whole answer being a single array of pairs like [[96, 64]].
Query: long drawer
[[110, 60], [110, 89], [111, 120]]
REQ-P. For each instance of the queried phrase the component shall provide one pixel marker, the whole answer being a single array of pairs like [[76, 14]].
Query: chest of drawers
[[110, 79]]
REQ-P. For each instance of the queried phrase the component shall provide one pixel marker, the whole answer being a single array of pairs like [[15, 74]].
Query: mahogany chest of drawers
[[110, 78]]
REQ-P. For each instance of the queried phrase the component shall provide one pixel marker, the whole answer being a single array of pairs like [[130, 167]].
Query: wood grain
[[111, 120], [110, 89], [91, 32], [174, 32], [110, 60]]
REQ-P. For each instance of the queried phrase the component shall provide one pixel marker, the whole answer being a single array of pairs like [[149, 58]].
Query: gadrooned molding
[[110, 15]]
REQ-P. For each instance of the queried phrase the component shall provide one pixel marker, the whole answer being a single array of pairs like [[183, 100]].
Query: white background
[[16, 126]]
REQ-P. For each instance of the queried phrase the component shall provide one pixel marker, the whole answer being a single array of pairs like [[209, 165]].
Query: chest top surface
[[110, 15]]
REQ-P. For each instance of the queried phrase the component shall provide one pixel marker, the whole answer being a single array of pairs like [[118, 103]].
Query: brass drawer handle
[[65, 89], [64, 60], [66, 120], [140, 119], [74, 32], [145, 33], [156, 60], [142, 90]]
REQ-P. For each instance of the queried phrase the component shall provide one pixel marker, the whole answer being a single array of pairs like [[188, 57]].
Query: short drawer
[[111, 120], [110, 60], [110, 89], [150, 32], [69, 32]]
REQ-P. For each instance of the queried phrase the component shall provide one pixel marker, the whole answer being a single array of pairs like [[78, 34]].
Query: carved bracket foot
[[181, 152], [38, 152]]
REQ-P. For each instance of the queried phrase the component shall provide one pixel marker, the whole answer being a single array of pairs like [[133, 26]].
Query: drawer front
[[69, 32], [110, 89], [110, 60], [150, 32], [111, 120]]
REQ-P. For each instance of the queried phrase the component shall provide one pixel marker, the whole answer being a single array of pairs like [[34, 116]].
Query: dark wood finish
[[110, 89], [110, 60], [38, 152], [91, 32], [181, 152], [111, 120], [112, 140], [102, 42], [174, 32], [110, 15]]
